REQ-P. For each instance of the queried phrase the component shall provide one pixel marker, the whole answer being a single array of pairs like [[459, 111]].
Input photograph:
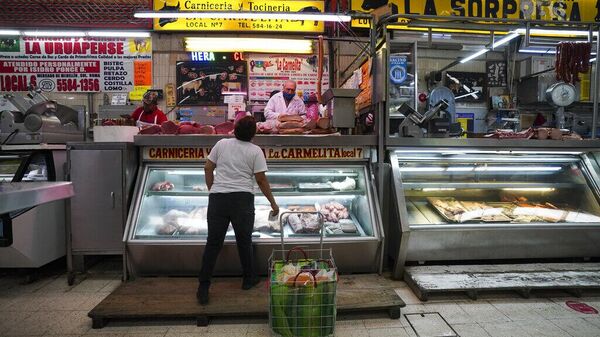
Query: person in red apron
[[149, 113]]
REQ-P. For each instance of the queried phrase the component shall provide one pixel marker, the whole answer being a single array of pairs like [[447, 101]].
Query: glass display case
[[171, 205], [174, 204], [471, 204], [25, 166]]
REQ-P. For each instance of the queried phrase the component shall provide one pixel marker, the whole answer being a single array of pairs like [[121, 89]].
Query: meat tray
[[468, 211], [315, 187]]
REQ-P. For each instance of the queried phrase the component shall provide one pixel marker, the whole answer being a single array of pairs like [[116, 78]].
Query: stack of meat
[[262, 222], [334, 211], [182, 223], [162, 186], [294, 125], [304, 223], [188, 128]]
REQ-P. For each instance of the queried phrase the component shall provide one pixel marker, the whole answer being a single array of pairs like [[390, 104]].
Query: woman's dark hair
[[245, 128]]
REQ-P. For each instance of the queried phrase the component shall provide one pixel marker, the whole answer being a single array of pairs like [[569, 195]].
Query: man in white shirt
[[285, 102]]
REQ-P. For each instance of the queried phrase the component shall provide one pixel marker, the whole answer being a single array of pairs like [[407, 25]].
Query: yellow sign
[[271, 153], [290, 6], [138, 92], [548, 10]]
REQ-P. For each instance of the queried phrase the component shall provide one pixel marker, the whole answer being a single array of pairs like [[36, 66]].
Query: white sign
[[267, 73], [86, 64]]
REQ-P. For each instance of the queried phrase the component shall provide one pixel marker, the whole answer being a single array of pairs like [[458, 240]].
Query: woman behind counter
[[237, 162]]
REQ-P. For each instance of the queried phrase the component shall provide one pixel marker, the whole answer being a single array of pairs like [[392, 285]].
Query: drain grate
[[430, 324]]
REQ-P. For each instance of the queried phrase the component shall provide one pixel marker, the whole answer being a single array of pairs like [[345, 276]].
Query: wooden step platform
[[522, 278], [175, 298]]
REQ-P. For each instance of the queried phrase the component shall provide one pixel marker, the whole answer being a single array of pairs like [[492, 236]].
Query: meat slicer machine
[[35, 119], [428, 124]]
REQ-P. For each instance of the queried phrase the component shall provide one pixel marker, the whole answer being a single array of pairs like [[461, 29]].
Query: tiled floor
[[49, 307]]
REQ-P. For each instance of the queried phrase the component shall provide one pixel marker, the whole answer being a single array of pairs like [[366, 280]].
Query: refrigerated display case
[[34, 234], [166, 230], [490, 203]]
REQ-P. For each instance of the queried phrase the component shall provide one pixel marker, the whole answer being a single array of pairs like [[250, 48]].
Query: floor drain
[[430, 324]]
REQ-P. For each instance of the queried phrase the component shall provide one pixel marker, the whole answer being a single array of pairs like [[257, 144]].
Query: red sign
[[582, 307]]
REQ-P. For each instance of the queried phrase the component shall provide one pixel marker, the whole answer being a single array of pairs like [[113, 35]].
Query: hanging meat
[[572, 58]]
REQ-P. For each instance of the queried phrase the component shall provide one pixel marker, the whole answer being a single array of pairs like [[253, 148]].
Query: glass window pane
[[493, 187]]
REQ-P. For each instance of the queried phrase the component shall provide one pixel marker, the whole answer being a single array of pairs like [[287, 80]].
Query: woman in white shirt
[[232, 166]]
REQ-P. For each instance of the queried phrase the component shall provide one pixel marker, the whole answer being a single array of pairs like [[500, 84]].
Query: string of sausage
[[572, 58]]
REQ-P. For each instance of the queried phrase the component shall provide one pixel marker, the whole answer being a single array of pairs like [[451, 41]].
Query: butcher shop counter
[[483, 199], [166, 227], [260, 140]]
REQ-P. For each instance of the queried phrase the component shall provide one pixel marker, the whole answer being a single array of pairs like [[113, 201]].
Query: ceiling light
[[504, 40], [258, 45], [518, 169], [593, 60], [477, 54], [243, 15], [9, 32], [57, 33], [538, 50], [530, 189], [554, 32], [104, 33]]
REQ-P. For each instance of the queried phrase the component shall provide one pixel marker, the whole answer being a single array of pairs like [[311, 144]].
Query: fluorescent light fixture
[[477, 54], [186, 172], [57, 33], [243, 15], [9, 32], [555, 32], [538, 50], [530, 189], [593, 60], [421, 169], [504, 40], [103, 33], [435, 189], [258, 45], [518, 169], [460, 169]]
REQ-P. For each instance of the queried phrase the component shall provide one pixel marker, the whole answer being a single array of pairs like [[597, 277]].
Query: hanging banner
[[85, 64], [555, 10], [270, 72], [264, 25]]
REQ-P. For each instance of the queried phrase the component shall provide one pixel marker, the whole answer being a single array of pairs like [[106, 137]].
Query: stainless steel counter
[[15, 196], [270, 140], [498, 144]]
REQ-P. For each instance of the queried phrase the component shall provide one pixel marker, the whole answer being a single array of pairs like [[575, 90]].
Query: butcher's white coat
[[276, 106]]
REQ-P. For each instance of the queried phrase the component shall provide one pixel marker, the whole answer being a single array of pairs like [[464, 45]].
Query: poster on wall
[[208, 80], [495, 73], [466, 86], [86, 64], [270, 72]]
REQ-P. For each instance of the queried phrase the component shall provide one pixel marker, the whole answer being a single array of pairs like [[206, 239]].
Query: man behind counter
[[149, 113], [285, 102]]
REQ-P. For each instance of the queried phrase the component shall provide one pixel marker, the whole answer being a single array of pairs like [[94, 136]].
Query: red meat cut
[[188, 129], [169, 128], [206, 130], [150, 130], [224, 128]]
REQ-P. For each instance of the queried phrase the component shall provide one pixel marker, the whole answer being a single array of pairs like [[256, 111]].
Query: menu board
[[270, 72], [86, 64], [495, 73], [206, 82]]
